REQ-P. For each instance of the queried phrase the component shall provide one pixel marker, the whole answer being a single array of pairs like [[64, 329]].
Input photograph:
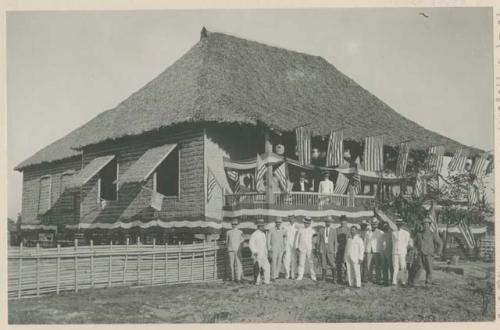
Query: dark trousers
[[340, 265], [422, 261]]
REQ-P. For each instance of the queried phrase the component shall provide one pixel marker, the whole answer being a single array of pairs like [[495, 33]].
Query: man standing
[[326, 186], [400, 243], [343, 234], [387, 254], [276, 247], [375, 248], [304, 246], [234, 238], [327, 247], [354, 253], [424, 243], [365, 234], [258, 247], [290, 252], [302, 185]]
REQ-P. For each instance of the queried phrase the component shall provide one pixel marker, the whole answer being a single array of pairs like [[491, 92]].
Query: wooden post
[[76, 265], [37, 269], [192, 265], [138, 261], [110, 263], [153, 262], [166, 262], [125, 262], [179, 263], [91, 263], [58, 267], [204, 259], [19, 284]]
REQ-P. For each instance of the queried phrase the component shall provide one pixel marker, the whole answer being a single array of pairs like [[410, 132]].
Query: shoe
[[299, 278], [313, 278]]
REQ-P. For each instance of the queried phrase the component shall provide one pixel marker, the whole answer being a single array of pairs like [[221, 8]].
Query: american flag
[[303, 137], [435, 156], [404, 150], [420, 186], [432, 216], [356, 183], [457, 162], [472, 194], [260, 172], [335, 151], [480, 165], [280, 173], [211, 184], [235, 178], [341, 184], [467, 234], [374, 153]]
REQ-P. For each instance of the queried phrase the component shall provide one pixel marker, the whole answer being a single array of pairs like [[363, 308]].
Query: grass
[[466, 297]]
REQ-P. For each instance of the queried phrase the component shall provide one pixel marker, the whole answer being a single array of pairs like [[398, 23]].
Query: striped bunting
[[374, 153], [341, 184], [235, 178], [467, 234], [260, 171], [432, 216], [404, 150], [211, 184], [480, 165], [458, 161], [303, 138], [435, 156], [335, 151], [280, 173]]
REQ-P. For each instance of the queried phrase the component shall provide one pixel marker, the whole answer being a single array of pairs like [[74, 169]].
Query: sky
[[64, 68]]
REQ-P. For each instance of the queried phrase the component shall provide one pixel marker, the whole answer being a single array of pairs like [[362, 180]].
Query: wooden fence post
[[125, 263], [58, 267], [166, 262], [110, 262], [138, 261], [91, 263], [204, 259], [192, 265], [37, 269], [153, 262], [76, 265], [19, 284], [179, 263]]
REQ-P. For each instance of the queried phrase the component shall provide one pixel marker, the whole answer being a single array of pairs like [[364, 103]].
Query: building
[[144, 167]]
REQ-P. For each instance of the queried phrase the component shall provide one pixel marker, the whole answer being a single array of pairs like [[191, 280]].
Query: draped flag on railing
[[458, 161], [404, 150], [303, 138], [356, 183], [480, 165], [211, 184], [435, 156], [374, 153], [282, 177], [341, 184], [234, 177], [467, 234], [335, 151], [260, 172]]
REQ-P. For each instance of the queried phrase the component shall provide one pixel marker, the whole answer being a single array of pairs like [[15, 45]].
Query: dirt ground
[[454, 298]]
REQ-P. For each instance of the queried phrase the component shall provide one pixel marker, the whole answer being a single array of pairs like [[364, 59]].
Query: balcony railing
[[298, 199]]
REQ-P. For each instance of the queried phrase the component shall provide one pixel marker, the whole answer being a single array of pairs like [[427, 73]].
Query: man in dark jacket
[[302, 185], [327, 248], [343, 233], [426, 242]]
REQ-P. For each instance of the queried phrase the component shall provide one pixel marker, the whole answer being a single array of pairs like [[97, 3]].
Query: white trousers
[[266, 267], [305, 257], [353, 272], [290, 262], [398, 264]]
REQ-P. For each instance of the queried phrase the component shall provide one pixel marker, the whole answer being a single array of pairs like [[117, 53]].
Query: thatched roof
[[228, 79]]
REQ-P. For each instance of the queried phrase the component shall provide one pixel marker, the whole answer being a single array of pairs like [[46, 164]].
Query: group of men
[[375, 252]]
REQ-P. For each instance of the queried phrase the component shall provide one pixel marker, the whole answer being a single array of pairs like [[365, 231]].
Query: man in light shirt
[[375, 247], [326, 186], [290, 259], [304, 244], [400, 243], [276, 247], [258, 247], [354, 253], [234, 238]]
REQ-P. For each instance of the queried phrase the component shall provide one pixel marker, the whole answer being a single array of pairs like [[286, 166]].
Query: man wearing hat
[[302, 184], [327, 247], [290, 259], [234, 238], [258, 247], [353, 255], [276, 247], [364, 233], [375, 248], [425, 243], [305, 247], [400, 243], [343, 234]]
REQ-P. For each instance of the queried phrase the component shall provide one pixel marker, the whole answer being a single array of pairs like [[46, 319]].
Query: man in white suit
[[354, 253], [304, 244], [290, 259], [400, 243], [375, 246], [258, 247]]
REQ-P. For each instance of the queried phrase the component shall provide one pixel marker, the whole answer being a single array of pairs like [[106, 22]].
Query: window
[[166, 177], [44, 196], [67, 200], [107, 183]]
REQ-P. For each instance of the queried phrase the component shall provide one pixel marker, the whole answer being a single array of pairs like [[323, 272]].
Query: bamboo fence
[[36, 271]]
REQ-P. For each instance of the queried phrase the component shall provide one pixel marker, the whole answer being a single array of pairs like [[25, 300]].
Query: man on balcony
[[327, 247], [258, 247], [290, 259], [276, 247], [302, 185], [305, 246], [375, 248], [234, 238], [326, 186]]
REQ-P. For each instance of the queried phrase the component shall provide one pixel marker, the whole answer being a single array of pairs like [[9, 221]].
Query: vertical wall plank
[[91, 263], [204, 253], [110, 263], [153, 262], [179, 263], [192, 265], [19, 284], [166, 262], [37, 269], [215, 261], [76, 265], [58, 270], [138, 261], [125, 263]]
